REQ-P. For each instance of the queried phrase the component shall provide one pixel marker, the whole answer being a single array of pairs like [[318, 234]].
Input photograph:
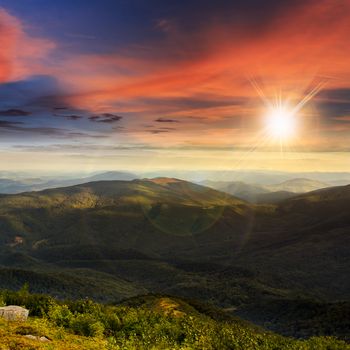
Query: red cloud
[[20, 53], [216, 59]]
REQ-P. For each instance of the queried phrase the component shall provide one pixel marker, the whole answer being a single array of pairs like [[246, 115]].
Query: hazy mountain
[[266, 193], [339, 182], [249, 192], [110, 176], [297, 186], [9, 186], [250, 176], [237, 188], [273, 197], [16, 186]]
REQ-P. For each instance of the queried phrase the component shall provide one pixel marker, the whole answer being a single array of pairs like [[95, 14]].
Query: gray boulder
[[14, 313]]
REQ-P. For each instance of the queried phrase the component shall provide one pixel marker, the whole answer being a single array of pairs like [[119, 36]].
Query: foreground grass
[[12, 337], [158, 323]]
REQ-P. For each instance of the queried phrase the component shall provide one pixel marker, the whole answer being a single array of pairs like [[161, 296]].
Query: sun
[[281, 123]]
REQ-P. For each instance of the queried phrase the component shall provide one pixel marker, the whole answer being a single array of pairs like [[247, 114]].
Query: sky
[[186, 85]]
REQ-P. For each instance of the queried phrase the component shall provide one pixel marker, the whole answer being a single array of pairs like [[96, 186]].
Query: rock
[[29, 336], [14, 313], [34, 337], [44, 339]]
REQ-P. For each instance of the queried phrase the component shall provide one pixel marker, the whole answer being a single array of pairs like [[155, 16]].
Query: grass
[[150, 322], [12, 337]]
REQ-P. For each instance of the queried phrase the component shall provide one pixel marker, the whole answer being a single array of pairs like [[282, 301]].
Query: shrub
[[37, 304], [87, 325], [61, 315]]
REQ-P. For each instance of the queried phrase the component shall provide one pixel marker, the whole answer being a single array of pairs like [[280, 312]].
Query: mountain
[[240, 189], [102, 211], [111, 176], [9, 186], [249, 192], [17, 186], [273, 197], [266, 193], [306, 242], [170, 236], [299, 185]]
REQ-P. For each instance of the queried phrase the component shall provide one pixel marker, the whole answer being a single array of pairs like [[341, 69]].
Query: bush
[[111, 323], [61, 315], [37, 304], [145, 327], [87, 325]]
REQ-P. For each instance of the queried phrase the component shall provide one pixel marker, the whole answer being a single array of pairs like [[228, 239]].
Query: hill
[[174, 237], [248, 192], [157, 322], [273, 197], [12, 186], [267, 193], [305, 242], [299, 185]]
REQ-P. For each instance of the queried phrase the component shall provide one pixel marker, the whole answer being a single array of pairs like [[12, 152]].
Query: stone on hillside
[[44, 339], [35, 337], [14, 313], [32, 337]]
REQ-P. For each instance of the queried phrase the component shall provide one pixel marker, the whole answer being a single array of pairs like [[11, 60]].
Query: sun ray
[[259, 91], [309, 96]]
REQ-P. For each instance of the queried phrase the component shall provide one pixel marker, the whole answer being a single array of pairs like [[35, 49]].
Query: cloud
[[14, 113], [167, 120], [158, 131], [193, 68], [335, 102], [106, 118], [9, 125], [85, 135], [70, 117], [39, 91], [73, 117], [80, 36], [21, 54], [295, 41], [19, 127]]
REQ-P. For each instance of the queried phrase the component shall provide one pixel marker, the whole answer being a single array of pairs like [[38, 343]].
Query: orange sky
[[182, 88]]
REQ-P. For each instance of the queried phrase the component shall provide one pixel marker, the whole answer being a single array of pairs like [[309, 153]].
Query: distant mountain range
[[266, 193], [259, 177], [10, 186], [260, 192], [298, 186]]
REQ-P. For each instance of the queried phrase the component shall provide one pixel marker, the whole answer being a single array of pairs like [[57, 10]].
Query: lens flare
[[284, 118]]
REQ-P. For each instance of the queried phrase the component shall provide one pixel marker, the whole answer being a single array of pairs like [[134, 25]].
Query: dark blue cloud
[[335, 102], [106, 25], [28, 92], [19, 127], [13, 112], [105, 118]]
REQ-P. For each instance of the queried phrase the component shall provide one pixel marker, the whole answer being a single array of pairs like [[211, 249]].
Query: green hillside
[[150, 322]]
